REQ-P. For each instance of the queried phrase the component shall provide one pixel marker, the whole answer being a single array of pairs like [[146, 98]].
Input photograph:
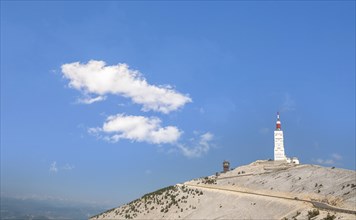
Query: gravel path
[[319, 205]]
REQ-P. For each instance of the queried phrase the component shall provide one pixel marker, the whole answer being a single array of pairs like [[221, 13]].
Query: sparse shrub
[[346, 193], [208, 180], [313, 213], [329, 217], [300, 178], [332, 167], [296, 215], [316, 185]]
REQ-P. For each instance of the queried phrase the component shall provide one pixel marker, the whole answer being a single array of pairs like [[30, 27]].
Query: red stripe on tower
[[278, 124]]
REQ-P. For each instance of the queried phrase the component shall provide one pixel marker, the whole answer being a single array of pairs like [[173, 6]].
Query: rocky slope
[[261, 190]]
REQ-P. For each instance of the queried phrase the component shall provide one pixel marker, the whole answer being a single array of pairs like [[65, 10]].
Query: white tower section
[[278, 142]]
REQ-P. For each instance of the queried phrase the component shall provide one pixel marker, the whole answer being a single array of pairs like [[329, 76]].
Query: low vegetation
[[181, 200], [296, 215], [329, 217], [313, 213], [209, 180], [163, 199]]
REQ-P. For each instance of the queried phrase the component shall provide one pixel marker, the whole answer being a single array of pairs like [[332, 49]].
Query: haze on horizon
[[103, 102]]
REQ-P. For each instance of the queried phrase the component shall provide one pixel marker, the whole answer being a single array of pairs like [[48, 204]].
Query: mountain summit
[[260, 190]]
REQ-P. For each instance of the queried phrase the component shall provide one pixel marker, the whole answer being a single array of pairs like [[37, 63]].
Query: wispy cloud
[[53, 168], [197, 149], [325, 161], [90, 100], [264, 130], [95, 77], [288, 104], [67, 167], [335, 158], [136, 128]]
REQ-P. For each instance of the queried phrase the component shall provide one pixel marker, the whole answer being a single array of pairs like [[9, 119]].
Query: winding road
[[316, 204]]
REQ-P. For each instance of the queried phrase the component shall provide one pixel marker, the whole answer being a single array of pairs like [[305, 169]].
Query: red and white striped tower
[[278, 123], [279, 142]]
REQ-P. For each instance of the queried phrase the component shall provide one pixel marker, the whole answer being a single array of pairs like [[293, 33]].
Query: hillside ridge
[[260, 190]]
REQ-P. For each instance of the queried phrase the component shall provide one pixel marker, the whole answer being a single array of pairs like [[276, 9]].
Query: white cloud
[[90, 100], [53, 168], [97, 78], [137, 128], [149, 129], [198, 149]]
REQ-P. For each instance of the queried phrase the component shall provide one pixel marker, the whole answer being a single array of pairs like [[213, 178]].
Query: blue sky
[[175, 88]]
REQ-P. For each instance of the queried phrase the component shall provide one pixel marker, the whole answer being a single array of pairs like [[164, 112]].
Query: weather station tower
[[279, 154]]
